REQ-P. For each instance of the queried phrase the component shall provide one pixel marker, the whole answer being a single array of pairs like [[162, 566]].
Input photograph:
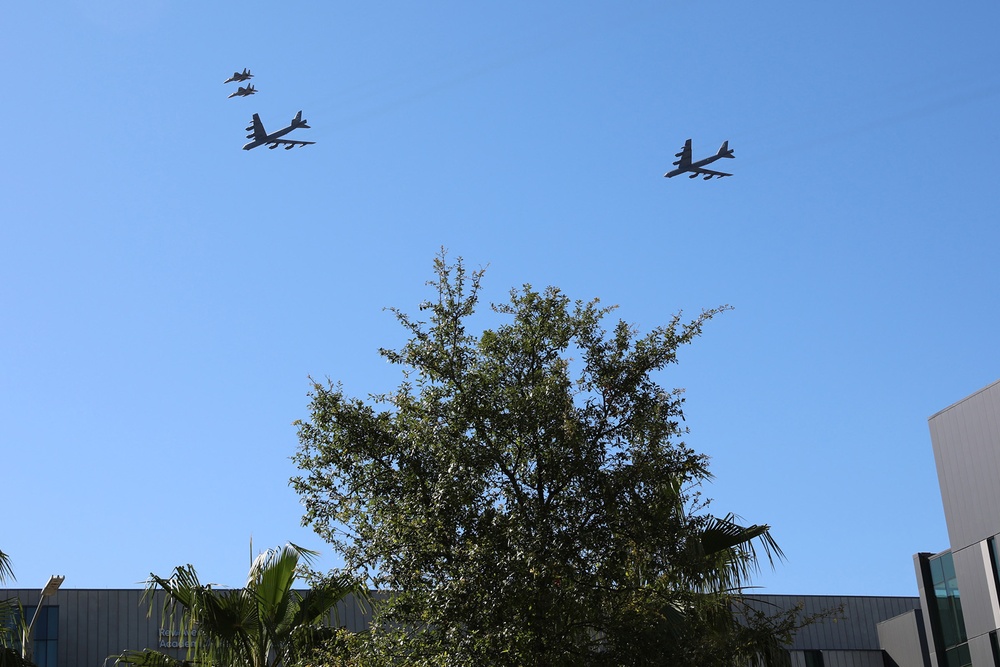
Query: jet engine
[[694, 175], [273, 146], [289, 147], [250, 136]]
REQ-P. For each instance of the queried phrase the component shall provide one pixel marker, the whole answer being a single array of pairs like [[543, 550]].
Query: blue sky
[[166, 295]]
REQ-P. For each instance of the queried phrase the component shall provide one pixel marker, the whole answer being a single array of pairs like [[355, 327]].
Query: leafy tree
[[526, 496], [264, 624]]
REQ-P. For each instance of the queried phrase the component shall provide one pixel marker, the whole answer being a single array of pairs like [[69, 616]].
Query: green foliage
[[526, 495], [6, 571], [264, 624], [10, 615]]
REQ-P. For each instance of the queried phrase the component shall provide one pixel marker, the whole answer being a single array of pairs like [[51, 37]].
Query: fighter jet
[[685, 165], [261, 137], [243, 92], [239, 77]]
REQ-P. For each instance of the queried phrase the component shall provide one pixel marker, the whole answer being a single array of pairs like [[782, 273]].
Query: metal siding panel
[[118, 640], [977, 607], [62, 649], [114, 619], [903, 639], [852, 628], [101, 633], [133, 621], [981, 651], [81, 610], [832, 635], [966, 442], [93, 619]]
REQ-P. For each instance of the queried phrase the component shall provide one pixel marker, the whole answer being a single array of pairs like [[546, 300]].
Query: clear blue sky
[[165, 295]]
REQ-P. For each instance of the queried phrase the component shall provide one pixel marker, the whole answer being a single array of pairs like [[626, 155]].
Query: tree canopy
[[526, 495]]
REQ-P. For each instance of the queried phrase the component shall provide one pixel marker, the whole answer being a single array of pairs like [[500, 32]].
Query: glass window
[[995, 647], [948, 600], [813, 658], [44, 635], [995, 562], [959, 656]]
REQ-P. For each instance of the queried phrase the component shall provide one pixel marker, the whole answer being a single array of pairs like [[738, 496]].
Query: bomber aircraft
[[237, 76], [261, 137], [685, 165], [243, 92]]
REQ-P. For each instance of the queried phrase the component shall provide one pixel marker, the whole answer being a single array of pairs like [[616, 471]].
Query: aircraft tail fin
[[725, 150], [298, 122]]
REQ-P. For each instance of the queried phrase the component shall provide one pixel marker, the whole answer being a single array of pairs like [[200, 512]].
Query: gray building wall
[[851, 624], [966, 441], [904, 639], [97, 623]]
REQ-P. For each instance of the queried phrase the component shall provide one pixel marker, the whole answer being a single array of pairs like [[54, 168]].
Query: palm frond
[[149, 658], [6, 571], [264, 621]]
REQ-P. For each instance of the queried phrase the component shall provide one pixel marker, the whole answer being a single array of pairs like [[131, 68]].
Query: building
[[959, 586], [851, 635], [958, 619], [90, 627]]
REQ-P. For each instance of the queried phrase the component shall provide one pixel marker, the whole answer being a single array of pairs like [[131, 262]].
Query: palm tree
[[731, 628], [10, 617], [9, 607], [697, 609], [264, 624], [5, 568]]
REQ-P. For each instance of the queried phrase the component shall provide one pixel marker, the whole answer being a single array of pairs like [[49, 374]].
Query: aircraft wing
[[684, 155], [257, 128], [708, 173]]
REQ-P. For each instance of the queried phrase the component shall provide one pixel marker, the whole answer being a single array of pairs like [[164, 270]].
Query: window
[[813, 658], [991, 544], [947, 620], [45, 635], [995, 646], [958, 656]]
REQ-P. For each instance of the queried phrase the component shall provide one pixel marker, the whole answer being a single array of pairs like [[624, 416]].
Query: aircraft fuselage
[[693, 166], [277, 134]]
